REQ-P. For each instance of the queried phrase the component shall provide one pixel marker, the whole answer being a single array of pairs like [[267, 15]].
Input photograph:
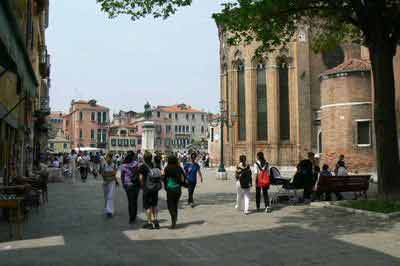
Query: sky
[[122, 64]]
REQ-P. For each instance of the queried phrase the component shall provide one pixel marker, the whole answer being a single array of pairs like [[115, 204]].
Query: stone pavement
[[71, 230]]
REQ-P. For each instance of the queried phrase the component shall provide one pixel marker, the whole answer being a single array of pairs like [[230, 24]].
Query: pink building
[[87, 124]]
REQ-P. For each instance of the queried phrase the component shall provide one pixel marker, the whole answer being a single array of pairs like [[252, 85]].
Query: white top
[[257, 170]]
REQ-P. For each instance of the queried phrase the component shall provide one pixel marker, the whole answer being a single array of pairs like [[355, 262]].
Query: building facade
[[292, 101], [124, 138], [24, 84], [87, 124], [56, 123], [178, 126]]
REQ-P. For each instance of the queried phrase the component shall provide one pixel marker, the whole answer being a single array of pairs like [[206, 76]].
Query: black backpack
[[153, 180], [245, 178]]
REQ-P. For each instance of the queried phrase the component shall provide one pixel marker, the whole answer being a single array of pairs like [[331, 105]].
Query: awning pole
[[12, 109]]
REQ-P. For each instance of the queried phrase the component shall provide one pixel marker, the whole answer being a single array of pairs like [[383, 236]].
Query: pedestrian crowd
[[150, 173], [307, 175], [146, 172]]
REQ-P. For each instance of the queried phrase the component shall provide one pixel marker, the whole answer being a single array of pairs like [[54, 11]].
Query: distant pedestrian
[[174, 178], [109, 184], [131, 183], [97, 164], [262, 181], [192, 170], [243, 174], [84, 164], [72, 165], [150, 178]]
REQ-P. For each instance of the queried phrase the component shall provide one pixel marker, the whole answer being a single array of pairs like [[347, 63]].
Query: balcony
[[44, 63], [45, 105]]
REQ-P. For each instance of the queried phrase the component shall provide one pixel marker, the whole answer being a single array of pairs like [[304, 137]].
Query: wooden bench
[[352, 183], [16, 215]]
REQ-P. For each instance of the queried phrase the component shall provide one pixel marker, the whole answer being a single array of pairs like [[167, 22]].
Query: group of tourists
[[307, 175], [150, 176]]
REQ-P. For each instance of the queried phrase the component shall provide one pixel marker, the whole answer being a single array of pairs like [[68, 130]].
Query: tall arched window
[[261, 96], [226, 84], [241, 102], [284, 113]]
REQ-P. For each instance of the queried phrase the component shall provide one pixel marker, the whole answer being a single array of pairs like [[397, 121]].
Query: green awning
[[13, 53]]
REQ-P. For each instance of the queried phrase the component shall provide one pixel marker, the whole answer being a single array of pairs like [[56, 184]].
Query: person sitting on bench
[[326, 173]]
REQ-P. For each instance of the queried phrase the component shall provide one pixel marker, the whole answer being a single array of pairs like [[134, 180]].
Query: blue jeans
[[191, 188]]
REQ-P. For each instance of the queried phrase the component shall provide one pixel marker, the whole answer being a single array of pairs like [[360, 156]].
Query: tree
[[273, 23]]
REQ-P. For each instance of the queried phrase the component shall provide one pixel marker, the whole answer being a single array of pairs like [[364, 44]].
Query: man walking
[[192, 170]]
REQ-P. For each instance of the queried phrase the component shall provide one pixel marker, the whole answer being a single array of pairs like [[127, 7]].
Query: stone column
[[273, 110], [148, 136], [251, 115]]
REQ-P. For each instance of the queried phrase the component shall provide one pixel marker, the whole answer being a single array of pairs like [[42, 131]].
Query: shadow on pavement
[[286, 245]]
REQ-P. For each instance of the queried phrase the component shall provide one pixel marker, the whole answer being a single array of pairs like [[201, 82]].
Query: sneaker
[[192, 205], [246, 212], [147, 226], [156, 225], [109, 215], [236, 206], [268, 209]]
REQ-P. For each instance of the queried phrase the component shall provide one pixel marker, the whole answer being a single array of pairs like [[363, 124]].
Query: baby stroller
[[281, 188]]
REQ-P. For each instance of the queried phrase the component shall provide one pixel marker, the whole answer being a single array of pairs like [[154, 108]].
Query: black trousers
[[265, 196], [172, 203], [191, 188], [84, 172], [132, 193]]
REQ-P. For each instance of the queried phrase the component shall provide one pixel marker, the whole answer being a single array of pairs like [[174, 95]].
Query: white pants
[[108, 197], [246, 198], [238, 194]]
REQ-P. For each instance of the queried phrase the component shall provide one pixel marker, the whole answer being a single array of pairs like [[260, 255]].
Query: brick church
[[294, 101]]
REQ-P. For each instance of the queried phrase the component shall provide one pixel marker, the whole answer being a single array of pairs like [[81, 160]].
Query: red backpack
[[263, 179]]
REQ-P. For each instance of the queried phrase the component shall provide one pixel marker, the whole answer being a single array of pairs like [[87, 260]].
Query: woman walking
[[243, 174], [174, 178], [150, 179], [130, 181], [262, 181], [109, 182]]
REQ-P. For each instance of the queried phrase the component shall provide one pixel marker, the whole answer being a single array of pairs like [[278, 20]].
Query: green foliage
[[141, 8], [382, 206], [273, 23]]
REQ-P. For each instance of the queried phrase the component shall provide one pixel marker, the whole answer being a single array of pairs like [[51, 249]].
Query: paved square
[[71, 230]]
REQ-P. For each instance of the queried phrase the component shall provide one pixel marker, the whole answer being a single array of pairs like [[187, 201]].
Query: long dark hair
[[261, 158], [242, 159]]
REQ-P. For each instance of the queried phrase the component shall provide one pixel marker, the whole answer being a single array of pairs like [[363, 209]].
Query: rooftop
[[178, 108], [350, 65]]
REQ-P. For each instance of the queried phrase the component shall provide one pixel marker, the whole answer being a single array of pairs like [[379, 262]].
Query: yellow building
[[59, 144], [24, 84]]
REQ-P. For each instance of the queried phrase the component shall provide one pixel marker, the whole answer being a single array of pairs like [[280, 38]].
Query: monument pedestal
[[148, 136]]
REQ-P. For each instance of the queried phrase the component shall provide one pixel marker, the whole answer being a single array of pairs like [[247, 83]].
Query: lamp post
[[223, 120]]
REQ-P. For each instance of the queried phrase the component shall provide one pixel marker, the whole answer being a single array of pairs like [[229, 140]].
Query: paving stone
[[71, 230]]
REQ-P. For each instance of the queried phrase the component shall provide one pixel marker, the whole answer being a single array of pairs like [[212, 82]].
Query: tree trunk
[[387, 148]]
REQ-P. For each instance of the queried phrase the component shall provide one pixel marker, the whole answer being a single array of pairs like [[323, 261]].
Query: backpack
[[96, 159], [172, 184], [131, 174], [245, 178], [263, 178], [153, 180]]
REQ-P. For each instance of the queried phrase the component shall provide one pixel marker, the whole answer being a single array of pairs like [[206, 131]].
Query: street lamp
[[223, 119]]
